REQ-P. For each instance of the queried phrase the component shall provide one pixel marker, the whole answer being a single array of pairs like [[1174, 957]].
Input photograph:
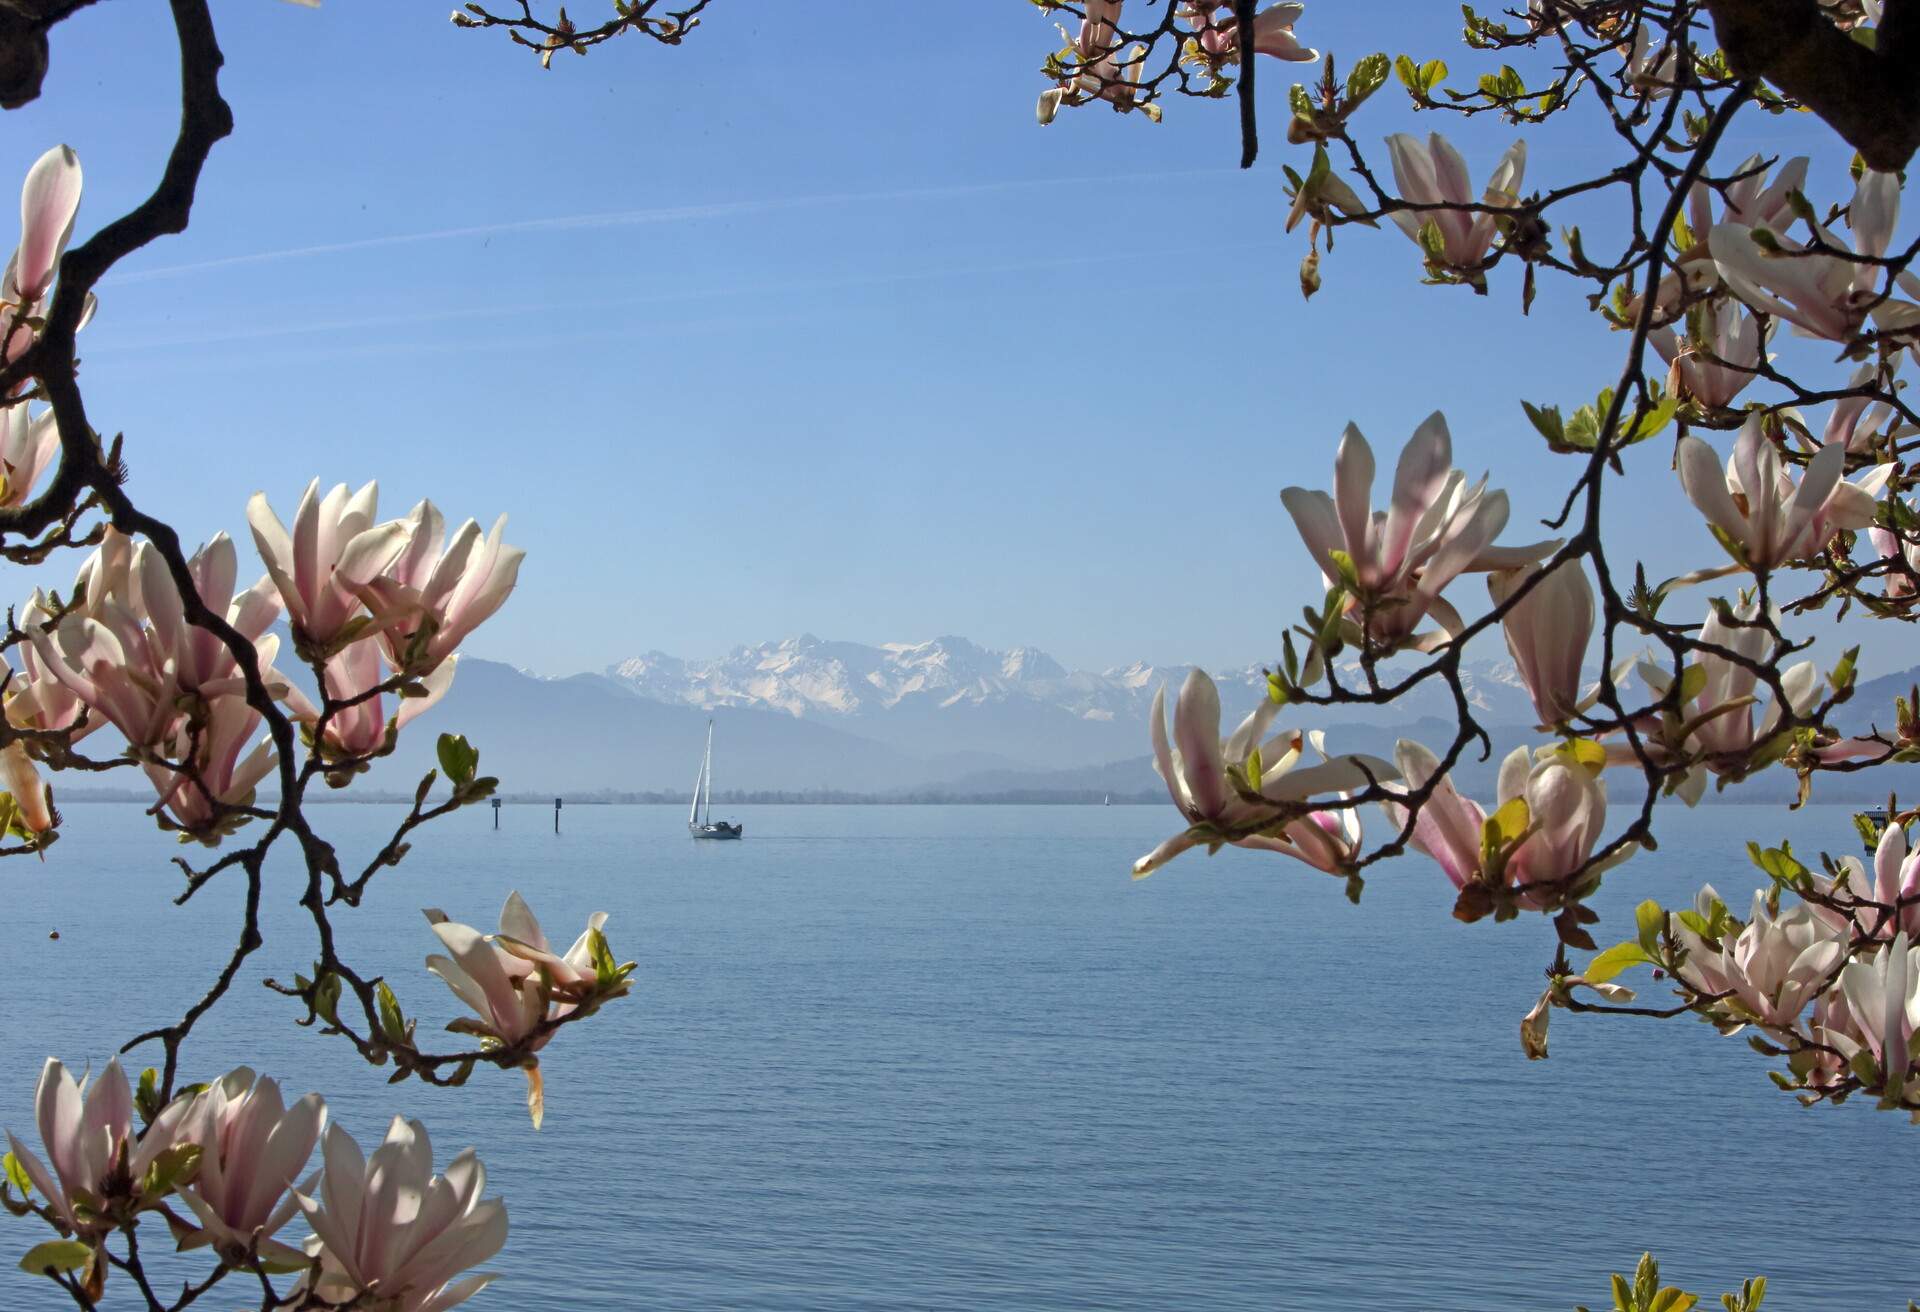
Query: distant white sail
[[706, 765]]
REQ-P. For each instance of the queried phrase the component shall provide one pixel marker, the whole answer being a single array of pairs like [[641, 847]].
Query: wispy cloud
[[495, 310], [642, 217]]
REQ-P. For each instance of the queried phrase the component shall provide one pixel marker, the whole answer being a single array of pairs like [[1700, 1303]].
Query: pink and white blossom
[[1719, 723], [1448, 827], [1547, 634], [1890, 546], [1434, 174], [253, 1150], [96, 1157], [1883, 1000], [1764, 516], [1824, 296], [1434, 529], [1216, 31], [431, 599], [388, 1231], [335, 548], [28, 449], [1776, 965], [224, 772], [1200, 770], [49, 200], [1717, 358], [1886, 900], [1566, 815], [22, 781], [363, 728]]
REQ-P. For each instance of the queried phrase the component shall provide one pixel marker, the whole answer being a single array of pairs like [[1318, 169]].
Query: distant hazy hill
[[941, 718], [944, 717]]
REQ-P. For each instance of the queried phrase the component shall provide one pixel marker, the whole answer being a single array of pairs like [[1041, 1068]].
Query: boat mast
[[707, 770], [693, 813]]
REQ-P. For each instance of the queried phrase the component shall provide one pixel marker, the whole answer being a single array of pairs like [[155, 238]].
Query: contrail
[[636, 218], [1040, 264]]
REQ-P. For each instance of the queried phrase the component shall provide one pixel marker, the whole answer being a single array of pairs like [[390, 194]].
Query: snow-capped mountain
[[1018, 703]]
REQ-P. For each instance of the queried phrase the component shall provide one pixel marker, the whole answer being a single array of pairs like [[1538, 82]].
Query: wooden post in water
[[556, 815], [496, 813]]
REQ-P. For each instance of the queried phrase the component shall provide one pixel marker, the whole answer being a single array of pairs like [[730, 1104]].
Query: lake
[[952, 1058]]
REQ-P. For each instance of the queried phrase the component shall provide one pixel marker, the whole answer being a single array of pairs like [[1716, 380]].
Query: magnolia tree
[[169, 654], [1797, 467]]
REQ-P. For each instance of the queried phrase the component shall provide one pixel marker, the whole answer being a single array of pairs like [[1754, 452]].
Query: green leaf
[[1842, 677], [17, 1175], [146, 1097], [1649, 920], [458, 759], [1343, 566], [1619, 957], [174, 1166], [1693, 682], [1546, 419], [393, 1024], [1653, 421], [326, 998], [1366, 78], [1583, 752], [56, 1255]]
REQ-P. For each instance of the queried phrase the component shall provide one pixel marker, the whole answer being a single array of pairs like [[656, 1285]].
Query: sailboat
[[700, 821]]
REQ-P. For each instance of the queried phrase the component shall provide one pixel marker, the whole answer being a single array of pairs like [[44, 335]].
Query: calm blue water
[[951, 1058]]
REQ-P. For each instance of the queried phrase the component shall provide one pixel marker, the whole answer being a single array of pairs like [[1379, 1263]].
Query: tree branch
[[1870, 97]]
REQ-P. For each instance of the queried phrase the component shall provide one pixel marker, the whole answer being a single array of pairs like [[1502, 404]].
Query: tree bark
[[1870, 97]]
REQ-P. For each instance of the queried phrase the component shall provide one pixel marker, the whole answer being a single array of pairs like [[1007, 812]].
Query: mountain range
[[945, 717]]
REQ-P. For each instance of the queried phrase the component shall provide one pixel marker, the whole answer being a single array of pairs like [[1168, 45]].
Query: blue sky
[[803, 326]]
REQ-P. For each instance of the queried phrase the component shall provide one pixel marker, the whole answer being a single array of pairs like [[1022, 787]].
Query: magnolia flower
[[514, 981], [334, 549], [29, 791], [41, 700], [98, 1161], [1547, 635], [1449, 827], [1823, 296], [1434, 175], [1699, 968], [1434, 529], [1890, 547], [1200, 772], [221, 776], [1857, 422], [1566, 812], [1883, 999], [363, 729], [48, 202], [1759, 513], [1717, 723], [1750, 201], [1885, 902], [1549, 816], [1100, 72], [1650, 67], [1716, 360], [429, 599], [1777, 964], [27, 450], [253, 1149], [391, 1232], [1216, 31], [195, 658], [109, 663]]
